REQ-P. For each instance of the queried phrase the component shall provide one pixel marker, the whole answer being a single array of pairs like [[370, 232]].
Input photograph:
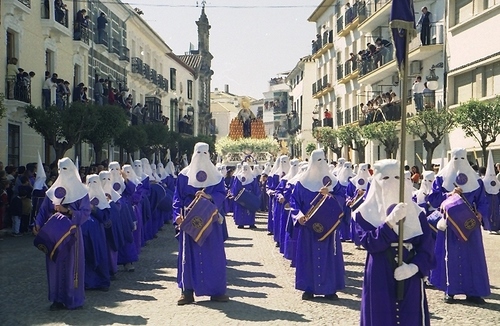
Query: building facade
[[352, 84], [304, 106]]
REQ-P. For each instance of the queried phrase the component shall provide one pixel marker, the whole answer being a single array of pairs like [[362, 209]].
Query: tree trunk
[[428, 157], [388, 152], [60, 150], [485, 155], [361, 152], [97, 153]]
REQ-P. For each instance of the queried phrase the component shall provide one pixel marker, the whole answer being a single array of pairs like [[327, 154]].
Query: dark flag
[[402, 20]]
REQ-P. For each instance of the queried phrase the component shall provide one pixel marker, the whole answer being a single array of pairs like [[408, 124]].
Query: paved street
[[260, 282]]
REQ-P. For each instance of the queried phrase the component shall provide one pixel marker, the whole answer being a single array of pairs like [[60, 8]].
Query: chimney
[[226, 88]]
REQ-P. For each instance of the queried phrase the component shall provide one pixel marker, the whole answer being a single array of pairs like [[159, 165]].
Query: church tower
[[205, 72]]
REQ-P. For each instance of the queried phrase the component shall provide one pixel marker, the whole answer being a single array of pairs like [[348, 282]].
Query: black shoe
[[253, 226], [449, 299], [56, 306], [277, 244], [332, 297], [219, 298], [241, 226], [307, 296], [269, 233], [475, 300], [186, 298]]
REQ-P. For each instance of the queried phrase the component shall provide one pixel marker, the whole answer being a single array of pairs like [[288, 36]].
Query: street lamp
[[432, 79]]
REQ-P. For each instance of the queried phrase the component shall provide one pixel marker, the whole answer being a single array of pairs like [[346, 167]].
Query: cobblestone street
[[260, 284]]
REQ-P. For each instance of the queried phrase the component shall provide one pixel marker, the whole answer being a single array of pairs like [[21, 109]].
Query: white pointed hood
[[201, 172], [428, 178], [459, 171], [302, 168], [345, 174], [131, 176], [116, 177], [96, 193], [267, 168], [41, 177], [170, 169], [246, 175], [491, 184], [275, 166], [294, 169], [317, 174], [383, 195], [139, 170], [107, 186], [340, 165], [284, 166], [160, 170], [146, 167], [68, 187], [360, 181]]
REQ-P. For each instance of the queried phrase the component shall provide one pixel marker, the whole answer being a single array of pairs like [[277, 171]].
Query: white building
[[473, 62], [343, 85], [300, 80]]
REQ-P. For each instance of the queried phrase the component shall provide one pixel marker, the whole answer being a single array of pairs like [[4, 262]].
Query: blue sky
[[251, 41]]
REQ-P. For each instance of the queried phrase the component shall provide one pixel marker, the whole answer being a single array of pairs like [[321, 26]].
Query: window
[[463, 87], [11, 45], [464, 9], [190, 89], [173, 79], [14, 142]]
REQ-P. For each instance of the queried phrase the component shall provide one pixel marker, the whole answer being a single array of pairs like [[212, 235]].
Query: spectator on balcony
[[26, 86], [136, 114], [99, 92], [46, 90], [60, 94], [348, 14], [384, 48], [417, 90], [77, 92], [394, 97], [425, 26], [84, 97], [101, 27], [328, 114], [428, 97], [80, 23], [11, 78], [145, 114], [112, 96], [60, 11], [364, 61]]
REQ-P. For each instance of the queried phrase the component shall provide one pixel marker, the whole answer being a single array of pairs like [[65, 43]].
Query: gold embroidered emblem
[[318, 227], [197, 222], [470, 223]]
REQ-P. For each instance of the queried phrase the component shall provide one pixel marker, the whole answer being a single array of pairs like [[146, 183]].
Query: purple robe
[[243, 216], [491, 221], [200, 268], [351, 193], [280, 221], [465, 271], [66, 276], [272, 183], [320, 264], [379, 304], [292, 230], [129, 253], [96, 250], [345, 225]]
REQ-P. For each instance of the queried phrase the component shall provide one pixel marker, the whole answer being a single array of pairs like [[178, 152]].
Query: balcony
[[15, 91], [322, 87], [386, 112], [340, 118], [340, 72], [125, 54], [379, 67], [54, 21], [328, 122], [322, 45], [137, 66], [350, 71], [102, 38], [154, 76], [146, 71], [351, 19], [82, 34], [116, 47], [18, 7], [376, 14]]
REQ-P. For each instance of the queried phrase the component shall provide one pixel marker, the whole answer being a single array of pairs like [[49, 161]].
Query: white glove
[[135, 226], [220, 220], [270, 192], [441, 224], [405, 271], [397, 214]]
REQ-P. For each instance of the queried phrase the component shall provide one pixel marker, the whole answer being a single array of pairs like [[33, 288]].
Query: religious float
[[247, 141]]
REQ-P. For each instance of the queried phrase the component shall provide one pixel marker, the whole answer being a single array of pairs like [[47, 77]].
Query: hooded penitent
[[201, 172], [317, 174], [68, 186], [458, 171]]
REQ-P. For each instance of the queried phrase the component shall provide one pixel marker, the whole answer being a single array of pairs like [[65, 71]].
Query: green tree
[[131, 139], [386, 133], [481, 121], [62, 129], [328, 137], [352, 137], [431, 126], [110, 121], [3, 109], [157, 136], [310, 148]]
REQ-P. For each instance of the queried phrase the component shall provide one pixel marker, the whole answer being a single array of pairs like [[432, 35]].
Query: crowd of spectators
[[18, 82]]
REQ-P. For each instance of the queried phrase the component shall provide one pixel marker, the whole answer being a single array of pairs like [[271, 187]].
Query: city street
[[260, 285]]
